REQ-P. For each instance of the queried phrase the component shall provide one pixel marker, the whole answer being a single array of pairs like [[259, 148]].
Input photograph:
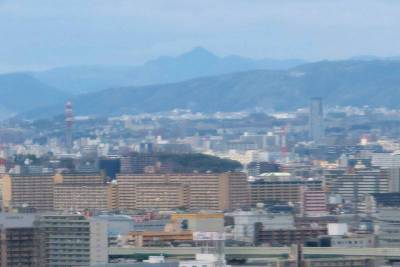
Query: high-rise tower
[[68, 126], [316, 121]]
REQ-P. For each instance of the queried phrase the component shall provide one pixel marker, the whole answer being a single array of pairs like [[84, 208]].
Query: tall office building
[[316, 121], [18, 240], [68, 126], [98, 241], [52, 240], [354, 186], [64, 240]]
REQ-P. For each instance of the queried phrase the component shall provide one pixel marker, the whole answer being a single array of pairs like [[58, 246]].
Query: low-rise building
[[245, 223]]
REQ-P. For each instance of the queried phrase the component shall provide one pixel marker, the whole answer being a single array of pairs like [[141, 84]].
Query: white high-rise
[[316, 121]]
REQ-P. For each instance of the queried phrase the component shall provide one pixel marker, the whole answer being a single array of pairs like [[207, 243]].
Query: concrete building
[[313, 202], [316, 121], [64, 240], [157, 238], [270, 188], [385, 160], [245, 223], [162, 196], [46, 192], [256, 168], [389, 230], [286, 237], [79, 178], [50, 240], [80, 197], [353, 241], [354, 186], [18, 244], [390, 162], [199, 222], [137, 162], [80, 191], [98, 241], [206, 191], [35, 191], [373, 202]]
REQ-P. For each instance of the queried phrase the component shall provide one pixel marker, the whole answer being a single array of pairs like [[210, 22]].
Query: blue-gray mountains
[[193, 64], [358, 82]]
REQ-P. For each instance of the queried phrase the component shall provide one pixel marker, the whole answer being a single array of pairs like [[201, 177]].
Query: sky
[[41, 34]]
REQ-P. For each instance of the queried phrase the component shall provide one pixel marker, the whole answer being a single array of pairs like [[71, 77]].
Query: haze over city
[[241, 133], [43, 34]]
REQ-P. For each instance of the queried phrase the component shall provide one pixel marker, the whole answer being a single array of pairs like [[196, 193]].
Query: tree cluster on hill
[[184, 163]]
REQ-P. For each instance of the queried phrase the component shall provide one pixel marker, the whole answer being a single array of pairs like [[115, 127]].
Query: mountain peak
[[198, 53]]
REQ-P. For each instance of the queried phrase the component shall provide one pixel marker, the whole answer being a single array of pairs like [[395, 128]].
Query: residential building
[[64, 240], [313, 202], [35, 191], [388, 223], [18, 244], [354, 186], [271, 188], [206, 191], [80, 197], [162, 196], [376, 200]]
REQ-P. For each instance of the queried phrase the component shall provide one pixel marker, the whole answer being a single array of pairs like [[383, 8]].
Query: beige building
[[164, 196], [80, 191], [79, 178], [47, 192], [205, 191], [85, 191], [79, 197], [35, 191], [113, 196]]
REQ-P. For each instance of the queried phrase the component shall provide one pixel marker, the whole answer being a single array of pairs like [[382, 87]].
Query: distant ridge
[[375, 83], [198, 62], [20, 92]]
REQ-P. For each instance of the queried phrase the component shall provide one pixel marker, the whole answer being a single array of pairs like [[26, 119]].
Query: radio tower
[[68, 123]]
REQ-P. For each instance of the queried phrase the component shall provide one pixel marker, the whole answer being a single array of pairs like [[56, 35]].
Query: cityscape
[[198, 159]]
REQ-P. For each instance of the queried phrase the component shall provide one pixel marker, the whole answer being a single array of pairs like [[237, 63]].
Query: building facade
[[205, 191], [64, 240]]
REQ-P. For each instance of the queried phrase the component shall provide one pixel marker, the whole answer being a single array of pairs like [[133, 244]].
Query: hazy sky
[[38, 34]]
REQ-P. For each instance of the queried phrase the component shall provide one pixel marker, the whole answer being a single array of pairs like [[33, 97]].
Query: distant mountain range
[[198, 62], [21, 92], [243, 84], [371, 82]]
